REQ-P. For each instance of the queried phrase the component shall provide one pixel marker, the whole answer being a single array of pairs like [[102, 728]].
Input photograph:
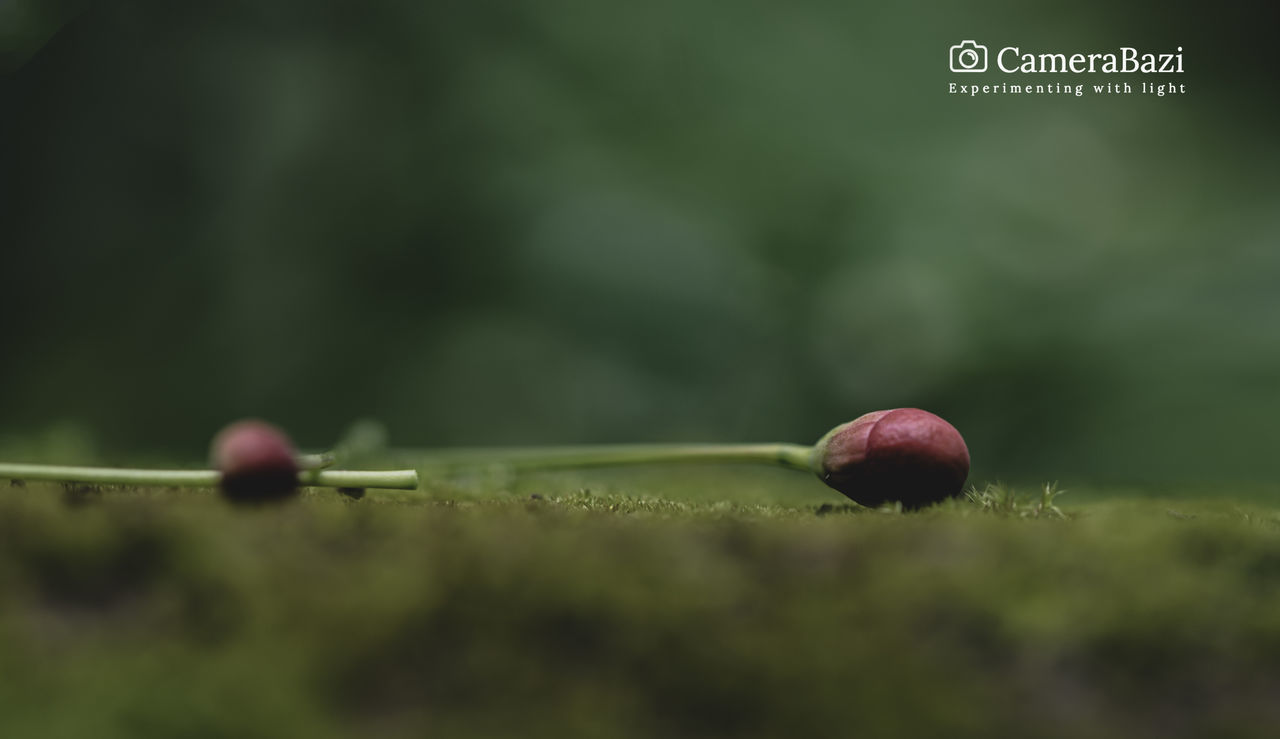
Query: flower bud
[[257, 462], [905, 454]]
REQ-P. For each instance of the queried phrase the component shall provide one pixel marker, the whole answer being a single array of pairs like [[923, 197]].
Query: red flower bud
[[257, 462], [906, 455]]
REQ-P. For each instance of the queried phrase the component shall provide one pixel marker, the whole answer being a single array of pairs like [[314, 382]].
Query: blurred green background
[[568, 221]]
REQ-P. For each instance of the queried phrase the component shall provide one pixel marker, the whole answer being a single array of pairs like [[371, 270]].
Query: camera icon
[[968, 56]]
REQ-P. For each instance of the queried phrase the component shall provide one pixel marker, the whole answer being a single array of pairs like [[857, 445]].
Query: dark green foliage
[[677, 226]]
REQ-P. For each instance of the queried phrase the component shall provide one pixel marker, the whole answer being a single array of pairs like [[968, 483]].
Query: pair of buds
[[902, 455]]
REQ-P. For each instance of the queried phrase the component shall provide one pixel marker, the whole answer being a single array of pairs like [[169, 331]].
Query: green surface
[[477, 609]]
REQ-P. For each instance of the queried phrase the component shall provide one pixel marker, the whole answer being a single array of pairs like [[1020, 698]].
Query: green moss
[[603, 613]]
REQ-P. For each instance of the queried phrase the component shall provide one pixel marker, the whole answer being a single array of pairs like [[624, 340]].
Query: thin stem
[[794, 456], [385, 479], [315, 461], [392, 479]]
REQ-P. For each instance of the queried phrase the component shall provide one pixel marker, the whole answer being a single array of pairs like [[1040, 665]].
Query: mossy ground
[[658, 603]]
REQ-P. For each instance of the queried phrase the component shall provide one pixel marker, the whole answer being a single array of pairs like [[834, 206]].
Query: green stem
[[394, 479], [794, 456], [315, 461], [386, 479]]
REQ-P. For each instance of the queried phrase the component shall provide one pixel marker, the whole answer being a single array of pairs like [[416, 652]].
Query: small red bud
[[257, 461], [906, 455]]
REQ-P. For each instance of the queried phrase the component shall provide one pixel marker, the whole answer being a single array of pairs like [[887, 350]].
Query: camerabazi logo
[[971, 57]]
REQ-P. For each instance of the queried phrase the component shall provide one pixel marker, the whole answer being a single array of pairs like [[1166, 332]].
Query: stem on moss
[[390, 479], [793, 456]]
